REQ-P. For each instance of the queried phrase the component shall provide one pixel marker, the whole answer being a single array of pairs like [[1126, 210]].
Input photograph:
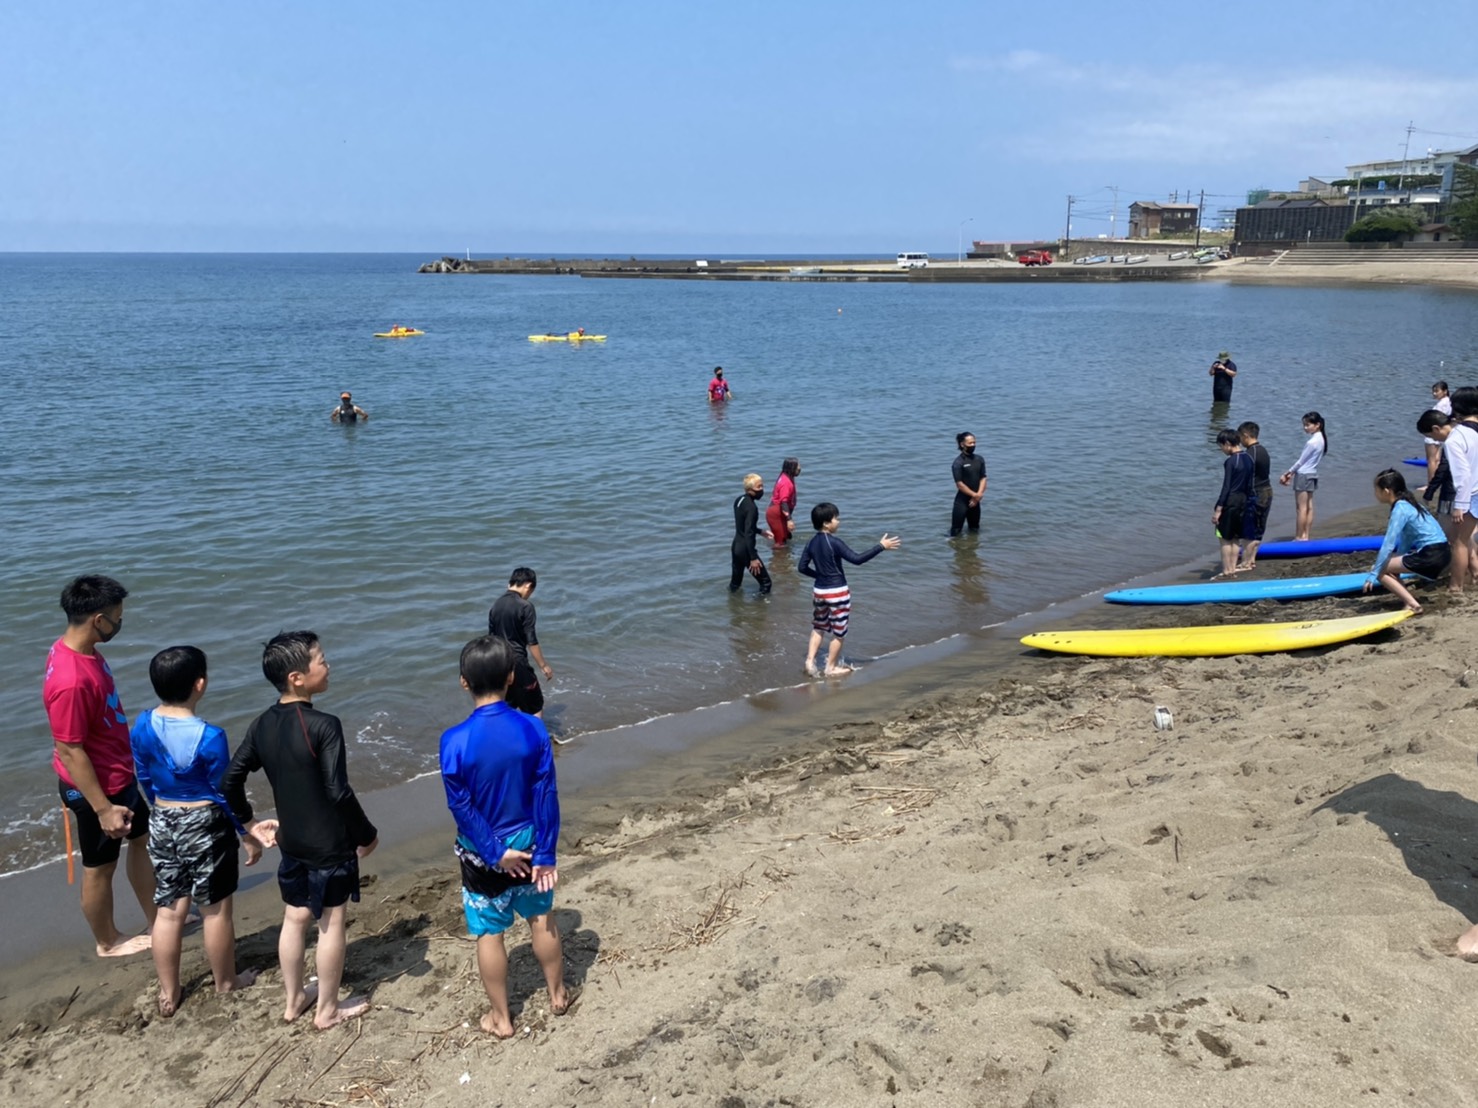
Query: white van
[[913, 261]]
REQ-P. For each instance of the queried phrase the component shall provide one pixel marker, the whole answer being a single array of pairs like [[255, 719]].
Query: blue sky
[[827, 127]]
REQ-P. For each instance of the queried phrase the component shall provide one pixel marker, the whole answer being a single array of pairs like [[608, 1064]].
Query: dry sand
[[1454, 274], [1017, 894]]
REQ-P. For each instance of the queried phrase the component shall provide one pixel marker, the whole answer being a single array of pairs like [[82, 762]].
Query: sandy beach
[[1014, 891]]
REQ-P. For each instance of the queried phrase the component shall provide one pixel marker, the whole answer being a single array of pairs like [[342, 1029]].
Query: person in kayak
[[348, 411], [1415, 542], [1222, 372], [718, 388]]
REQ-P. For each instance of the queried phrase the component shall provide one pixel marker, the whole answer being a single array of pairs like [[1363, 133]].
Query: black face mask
[[968, 449]]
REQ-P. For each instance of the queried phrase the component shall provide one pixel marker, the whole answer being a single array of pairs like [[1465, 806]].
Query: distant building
[[1432, 162], [979, 249], [1148, 218], [1292, 221]]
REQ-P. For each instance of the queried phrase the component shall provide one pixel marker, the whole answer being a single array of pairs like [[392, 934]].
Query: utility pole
[[1200, 204], [1114, 213], [1401, 181], [1067, 232]]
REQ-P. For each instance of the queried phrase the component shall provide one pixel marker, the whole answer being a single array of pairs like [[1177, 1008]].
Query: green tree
[[1462, 215], [1385, 225]]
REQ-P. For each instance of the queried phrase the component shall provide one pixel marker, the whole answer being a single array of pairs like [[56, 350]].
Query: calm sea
[[165, 421]]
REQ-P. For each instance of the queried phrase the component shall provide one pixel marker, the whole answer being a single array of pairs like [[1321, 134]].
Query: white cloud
[[1213, 113]]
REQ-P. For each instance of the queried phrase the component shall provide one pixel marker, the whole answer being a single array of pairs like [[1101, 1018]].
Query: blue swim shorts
[[490, 899]]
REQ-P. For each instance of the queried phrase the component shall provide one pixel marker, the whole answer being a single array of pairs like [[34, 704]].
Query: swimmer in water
[[348, 411]]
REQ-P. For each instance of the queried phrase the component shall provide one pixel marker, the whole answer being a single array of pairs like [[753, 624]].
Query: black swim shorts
[[525, 693], [317, 888], [1429, 562], [97, 848]]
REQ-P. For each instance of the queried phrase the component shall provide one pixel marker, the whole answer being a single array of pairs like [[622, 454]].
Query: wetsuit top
[[746, 528], [1262, 467], [347, 414], [969, 468], [718, 389], [1221, 383], [823, 557], [1236, 478], [784, 493], [83, 709], [512, 619], [1313, 454], [1410, 529], [498, 769], [302, 750]]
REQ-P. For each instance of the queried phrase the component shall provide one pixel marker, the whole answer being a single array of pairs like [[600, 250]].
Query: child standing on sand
[[498, 770], [1461, 451], [831, 600], [322, 831], [1235, 503], [180, 760], [1304, 475], [1262, 491], [1414, 541]]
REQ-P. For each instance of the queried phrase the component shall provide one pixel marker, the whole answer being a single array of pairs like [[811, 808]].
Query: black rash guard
[[302, 750], [746, 529]]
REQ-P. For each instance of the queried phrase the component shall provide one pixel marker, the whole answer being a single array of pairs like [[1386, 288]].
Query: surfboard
[[1215, 641], [1416, 462], [1350, 544], [1242, 592]]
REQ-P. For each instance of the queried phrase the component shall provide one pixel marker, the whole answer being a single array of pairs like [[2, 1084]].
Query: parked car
[[1035, 257]]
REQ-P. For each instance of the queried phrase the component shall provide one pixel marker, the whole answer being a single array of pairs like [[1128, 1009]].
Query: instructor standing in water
[[348, 411], [1223, 371], [744, 552], [969, 475]]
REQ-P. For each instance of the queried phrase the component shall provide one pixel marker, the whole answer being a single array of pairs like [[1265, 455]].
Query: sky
[[647, 126]]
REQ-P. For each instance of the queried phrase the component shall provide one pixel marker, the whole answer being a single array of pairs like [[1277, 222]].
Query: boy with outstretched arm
[[322, 831], [180, 760], [831, 600], [498, 770]]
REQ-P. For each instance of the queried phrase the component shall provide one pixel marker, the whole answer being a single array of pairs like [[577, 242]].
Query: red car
[[1034, 257]]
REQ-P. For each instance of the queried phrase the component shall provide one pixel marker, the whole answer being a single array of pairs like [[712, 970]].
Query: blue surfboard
[[1416, 462], [1350, 544], [1242, 592]]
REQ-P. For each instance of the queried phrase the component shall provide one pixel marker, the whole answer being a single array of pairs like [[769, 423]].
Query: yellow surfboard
[[1206, 642]]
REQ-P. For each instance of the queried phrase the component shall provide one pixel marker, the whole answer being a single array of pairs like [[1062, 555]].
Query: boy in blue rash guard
[[180, 760], [1415, 542], [498, 770], [831, 600]]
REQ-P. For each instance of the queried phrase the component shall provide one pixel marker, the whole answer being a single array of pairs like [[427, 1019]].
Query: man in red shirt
[[718, 388], [94, 762]]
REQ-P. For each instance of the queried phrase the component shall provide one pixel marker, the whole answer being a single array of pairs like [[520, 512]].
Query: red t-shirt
[[83, 707], [718, 389]]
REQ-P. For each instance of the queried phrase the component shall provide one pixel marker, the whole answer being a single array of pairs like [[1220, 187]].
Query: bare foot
[[135, 945], [168, 1006], [305, 1000], [562, 1003], [838, 670], [240, 981], [812, 671], [349, 1009], [1467, 944], [502, 1028]]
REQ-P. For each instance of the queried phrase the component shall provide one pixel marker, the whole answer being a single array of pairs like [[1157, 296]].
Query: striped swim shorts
[[830, 610]]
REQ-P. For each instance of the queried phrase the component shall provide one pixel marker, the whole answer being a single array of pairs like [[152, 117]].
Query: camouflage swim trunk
[[194, 851]]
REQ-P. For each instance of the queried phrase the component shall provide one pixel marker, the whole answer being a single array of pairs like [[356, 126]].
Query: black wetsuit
[[745, 549], [1236, 496], [1221, 383], [302, 750], [969, 469], [1262, 488], [347, 414], [512, 619]]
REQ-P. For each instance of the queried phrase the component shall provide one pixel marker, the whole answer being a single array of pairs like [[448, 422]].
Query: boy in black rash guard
[[744, 551], [321, 830]]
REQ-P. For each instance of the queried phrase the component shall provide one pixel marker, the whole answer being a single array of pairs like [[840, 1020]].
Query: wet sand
[[995, 883]]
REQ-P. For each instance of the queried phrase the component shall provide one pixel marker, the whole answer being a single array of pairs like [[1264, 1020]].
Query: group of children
[[1241, 512], [173, 789]]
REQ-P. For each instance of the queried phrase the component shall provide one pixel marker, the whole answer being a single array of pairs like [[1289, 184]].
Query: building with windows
[[1148, 218]]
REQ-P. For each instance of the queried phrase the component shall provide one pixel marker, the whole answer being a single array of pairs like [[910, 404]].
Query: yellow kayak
[[398, 333], [1213, 641], [568, 336]]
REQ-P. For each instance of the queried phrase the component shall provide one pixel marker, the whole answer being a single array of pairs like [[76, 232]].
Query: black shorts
[[525, 693], [304, 886], [97, 848], [1260, 514], [194, 851], [1429, 562], [1233, 517]]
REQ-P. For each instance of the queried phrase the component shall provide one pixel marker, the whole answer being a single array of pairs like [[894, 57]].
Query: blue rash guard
[[823, 557], [498, 769], [1409, 529], [180, 759]]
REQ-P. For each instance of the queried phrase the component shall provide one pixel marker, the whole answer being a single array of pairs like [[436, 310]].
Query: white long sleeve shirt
[[1313, 454], [1462, 460]]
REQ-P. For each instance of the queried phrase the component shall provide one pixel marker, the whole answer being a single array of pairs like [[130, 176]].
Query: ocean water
[[165, 421]]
